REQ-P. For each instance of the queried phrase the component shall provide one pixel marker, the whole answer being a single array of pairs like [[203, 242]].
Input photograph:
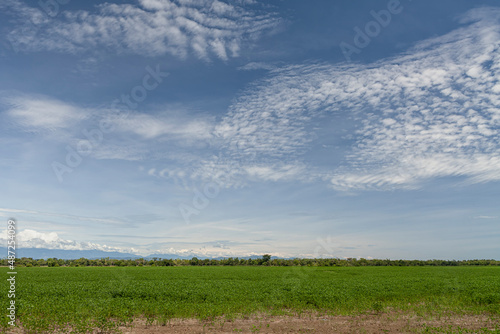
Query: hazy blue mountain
[[45, 253]]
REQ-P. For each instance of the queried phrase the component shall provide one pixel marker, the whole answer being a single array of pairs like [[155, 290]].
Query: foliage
[[266, 260]]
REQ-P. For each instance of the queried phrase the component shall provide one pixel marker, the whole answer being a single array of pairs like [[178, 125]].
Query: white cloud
[[151, 132], [149, 126], [274, 173], [122, 151], [29, 238], [65, 216], [42, 113], [33, 239], [444, 117], [257, 66], [206, 28], [432, 112], [65, 123]]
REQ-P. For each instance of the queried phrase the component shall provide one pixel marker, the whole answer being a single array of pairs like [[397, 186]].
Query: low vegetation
[[79, 299], [266, 260]]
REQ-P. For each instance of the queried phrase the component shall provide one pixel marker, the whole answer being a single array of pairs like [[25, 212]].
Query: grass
[[103, 297]]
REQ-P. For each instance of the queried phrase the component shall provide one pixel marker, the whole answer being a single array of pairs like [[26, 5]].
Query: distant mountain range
[[45, 253]]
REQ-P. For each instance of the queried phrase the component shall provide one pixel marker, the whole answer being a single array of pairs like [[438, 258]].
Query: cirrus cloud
[[430, 112], [205, 28]]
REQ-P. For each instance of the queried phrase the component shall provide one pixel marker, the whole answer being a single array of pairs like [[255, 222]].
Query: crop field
[[105, 298]]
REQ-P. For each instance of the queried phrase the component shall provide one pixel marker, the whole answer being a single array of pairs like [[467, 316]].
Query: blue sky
[[339, 129]]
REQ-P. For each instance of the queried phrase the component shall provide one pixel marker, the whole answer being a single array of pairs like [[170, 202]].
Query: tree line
[[265, 260]]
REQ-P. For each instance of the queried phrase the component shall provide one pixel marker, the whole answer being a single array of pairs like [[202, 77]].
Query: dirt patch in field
[[369, 323]]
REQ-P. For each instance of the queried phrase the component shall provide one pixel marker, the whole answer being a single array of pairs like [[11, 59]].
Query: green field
[[89, 297]]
